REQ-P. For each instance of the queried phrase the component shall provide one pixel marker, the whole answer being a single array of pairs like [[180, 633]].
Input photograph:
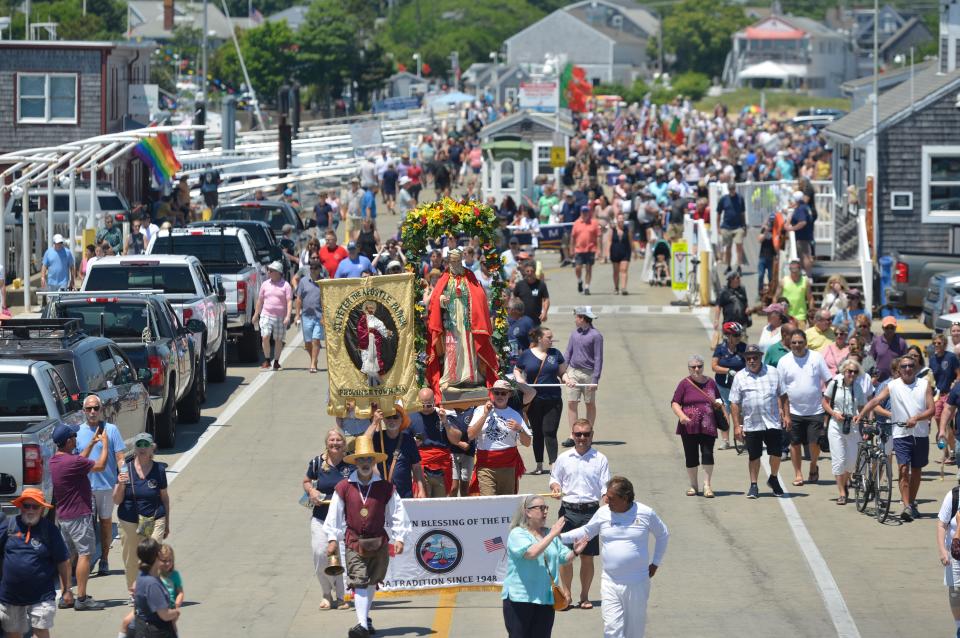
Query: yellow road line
[[443, 617]]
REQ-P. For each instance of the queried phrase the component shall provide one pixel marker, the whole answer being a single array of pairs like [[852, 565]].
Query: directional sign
[[558, 156], [678, 265]]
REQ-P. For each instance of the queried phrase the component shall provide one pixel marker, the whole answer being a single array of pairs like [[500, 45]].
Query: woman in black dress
[[621, 247], [368, 239]]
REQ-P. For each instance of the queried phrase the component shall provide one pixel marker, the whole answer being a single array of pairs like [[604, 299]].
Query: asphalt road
[[796, 566]]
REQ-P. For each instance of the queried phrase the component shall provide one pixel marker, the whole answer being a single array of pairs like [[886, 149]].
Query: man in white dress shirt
[[580, 475], [625, 527]]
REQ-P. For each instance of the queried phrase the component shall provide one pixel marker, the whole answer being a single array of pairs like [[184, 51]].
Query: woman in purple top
[[693, 403]]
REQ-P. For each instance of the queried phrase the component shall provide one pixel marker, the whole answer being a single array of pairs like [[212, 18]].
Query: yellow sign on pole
[[679, 257], [558, 156]]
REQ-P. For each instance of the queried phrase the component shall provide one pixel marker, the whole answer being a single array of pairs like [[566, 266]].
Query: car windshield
[[20, 396], [209, 249], [120, 319], [276, 217], [171, 279]]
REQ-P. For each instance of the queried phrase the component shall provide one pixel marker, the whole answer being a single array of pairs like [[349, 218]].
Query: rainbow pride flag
[[157, 153]]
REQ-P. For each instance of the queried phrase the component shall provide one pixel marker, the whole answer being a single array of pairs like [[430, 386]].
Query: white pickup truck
[[230, 257], [33, 400], [185, 284]]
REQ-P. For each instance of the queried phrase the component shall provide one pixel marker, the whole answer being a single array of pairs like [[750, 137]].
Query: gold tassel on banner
[[369, 325]]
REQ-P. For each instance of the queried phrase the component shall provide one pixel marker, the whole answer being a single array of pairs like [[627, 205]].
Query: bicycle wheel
[[883, 486], [860, 478]]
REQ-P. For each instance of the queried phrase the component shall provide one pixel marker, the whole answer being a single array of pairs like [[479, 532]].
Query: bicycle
[[872, 477]]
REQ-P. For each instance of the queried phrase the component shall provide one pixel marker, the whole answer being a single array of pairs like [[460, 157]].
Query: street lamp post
[[416, 56], [496, 88]]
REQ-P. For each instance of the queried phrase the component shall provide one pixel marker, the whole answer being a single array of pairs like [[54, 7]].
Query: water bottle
[[941, 442], [123, 468]]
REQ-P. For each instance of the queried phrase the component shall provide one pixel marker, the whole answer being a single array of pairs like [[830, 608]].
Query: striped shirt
[[757, 394]]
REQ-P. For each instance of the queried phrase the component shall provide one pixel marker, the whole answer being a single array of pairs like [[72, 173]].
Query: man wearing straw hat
[[368, 512], [34, 554]]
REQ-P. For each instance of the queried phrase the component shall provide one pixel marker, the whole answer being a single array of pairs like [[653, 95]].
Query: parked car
[[942, 297], [268, 249], [147, 329], [912, 273], [33, 400], [87, 365], [276, 213], [228, 255], [106, 201], [184, 283]]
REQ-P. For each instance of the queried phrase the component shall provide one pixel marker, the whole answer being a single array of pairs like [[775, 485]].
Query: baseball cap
[[276, 265], [502, 384], [568, 193], [798, 196], [63, 433], [394, 264], [143, 436], [775, 307], [288, 192], [523, 255], [354, 180], [889, 321], [584, 311], [753, 349], [352, 245], [58, 238], [585, 207]]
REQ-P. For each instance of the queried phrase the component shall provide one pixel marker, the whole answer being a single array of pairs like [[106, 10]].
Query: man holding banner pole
[[436, 437], [369, 513]]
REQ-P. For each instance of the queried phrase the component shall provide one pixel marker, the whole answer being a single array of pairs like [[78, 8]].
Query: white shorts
[[103, 504], [462, 466], [19, 619], [271, 326]]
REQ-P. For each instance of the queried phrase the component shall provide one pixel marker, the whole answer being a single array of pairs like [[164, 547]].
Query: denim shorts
[[312, 328]]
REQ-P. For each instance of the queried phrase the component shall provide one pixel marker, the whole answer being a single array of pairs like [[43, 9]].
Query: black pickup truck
[[146, 328]]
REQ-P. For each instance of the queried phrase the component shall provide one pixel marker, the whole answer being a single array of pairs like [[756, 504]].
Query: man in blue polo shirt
[[402, 466], [34, 554], [354, 264], [58, 270]]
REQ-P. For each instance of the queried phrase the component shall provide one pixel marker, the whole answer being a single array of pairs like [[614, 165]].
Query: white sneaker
[[725, 445]]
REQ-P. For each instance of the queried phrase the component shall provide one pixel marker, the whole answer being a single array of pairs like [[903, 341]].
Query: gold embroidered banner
[[370, 343]]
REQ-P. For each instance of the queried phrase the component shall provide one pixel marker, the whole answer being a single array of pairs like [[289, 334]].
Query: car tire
[[166, 423], [189, 408], [217, 370], [248, 346]]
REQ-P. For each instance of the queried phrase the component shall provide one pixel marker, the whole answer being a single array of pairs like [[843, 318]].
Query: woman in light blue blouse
[[534, 556]]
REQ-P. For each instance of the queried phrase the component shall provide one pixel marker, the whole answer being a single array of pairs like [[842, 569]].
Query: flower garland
[[460, 219]]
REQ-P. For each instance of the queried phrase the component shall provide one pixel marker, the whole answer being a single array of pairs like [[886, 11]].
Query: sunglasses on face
[[92, 408], [582, 435], [753, 358], [500, 393], [906, 366], [144, 444], [29, 506], [696, 367]]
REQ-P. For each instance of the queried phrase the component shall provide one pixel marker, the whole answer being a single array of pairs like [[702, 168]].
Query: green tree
[[270, 52], [700, 35]]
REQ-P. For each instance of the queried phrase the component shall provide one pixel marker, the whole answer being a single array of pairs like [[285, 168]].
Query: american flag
[[494, 544]]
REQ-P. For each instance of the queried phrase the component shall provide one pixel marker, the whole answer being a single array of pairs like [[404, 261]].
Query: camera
[[845, 426]]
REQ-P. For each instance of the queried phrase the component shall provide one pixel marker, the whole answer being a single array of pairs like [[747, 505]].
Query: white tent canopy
[[773, 70]]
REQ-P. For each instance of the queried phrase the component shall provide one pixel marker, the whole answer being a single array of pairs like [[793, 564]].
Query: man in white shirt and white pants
[[580, 475], [625, 527]]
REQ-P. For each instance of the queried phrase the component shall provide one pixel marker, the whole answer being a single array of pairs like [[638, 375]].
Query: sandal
[[692, 491], [342, 604], [814, 476], [798, 482], [585, 604], [708, 492]]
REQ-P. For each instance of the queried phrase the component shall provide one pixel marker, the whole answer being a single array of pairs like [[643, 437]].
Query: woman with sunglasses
[[144, 505], [534, 556], [836, 351], [842, 399], [694, 401], [727, 361], [542, 363]]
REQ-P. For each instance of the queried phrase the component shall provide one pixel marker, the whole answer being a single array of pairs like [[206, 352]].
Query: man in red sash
[[368, 513], [436, 437], [498, 429]]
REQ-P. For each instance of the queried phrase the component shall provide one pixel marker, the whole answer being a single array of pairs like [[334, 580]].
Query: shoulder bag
[[560, 600], [718, 414]]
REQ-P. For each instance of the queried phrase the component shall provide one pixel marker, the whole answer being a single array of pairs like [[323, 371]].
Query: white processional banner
[[453, 543]]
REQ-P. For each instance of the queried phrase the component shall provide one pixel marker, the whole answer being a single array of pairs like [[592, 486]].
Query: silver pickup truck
[[33, 400], [230, 257]]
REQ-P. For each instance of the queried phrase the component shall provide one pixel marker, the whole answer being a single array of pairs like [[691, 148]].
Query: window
[[944, 46], [940, 184], [507, 176], [543, 160], [49, 98]]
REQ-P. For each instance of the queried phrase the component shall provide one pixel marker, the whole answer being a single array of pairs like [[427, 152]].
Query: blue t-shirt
[[351, 268], [802, 214], [30, 569], [732, 211], [326, 481], [462, 422], [729, 359], [369, 200], [150, 596], [426, 428], [944, 369], [399, 469], [106, 479], [142, 496], [58, 263], [518, 335], [549, 373]]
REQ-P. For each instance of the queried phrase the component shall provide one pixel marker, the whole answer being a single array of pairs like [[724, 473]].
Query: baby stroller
[[660, 269]]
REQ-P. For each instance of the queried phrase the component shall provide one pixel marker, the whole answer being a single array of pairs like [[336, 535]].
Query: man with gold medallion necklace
[[367, 511]]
